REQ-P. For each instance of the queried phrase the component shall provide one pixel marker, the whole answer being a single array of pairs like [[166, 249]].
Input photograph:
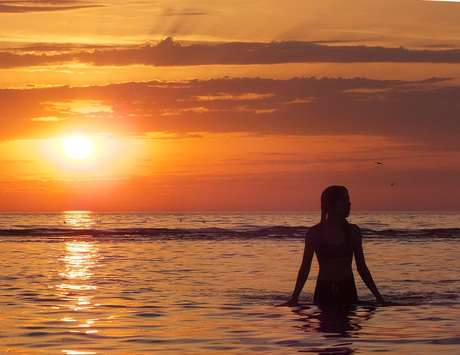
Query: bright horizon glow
[[78, 147]]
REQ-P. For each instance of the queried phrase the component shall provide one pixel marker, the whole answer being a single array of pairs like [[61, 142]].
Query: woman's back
[[334, 251]]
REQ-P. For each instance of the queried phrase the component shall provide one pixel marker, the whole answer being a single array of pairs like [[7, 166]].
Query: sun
[[78, 147]]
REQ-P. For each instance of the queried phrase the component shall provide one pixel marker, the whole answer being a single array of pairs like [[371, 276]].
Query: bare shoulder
[[355, 228], [356, 232], [312, 232]]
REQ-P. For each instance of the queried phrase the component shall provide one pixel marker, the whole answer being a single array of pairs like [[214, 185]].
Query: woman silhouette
[[334, 241]]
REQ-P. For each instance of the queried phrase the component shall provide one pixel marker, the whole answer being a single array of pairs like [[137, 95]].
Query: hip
[[335, 291]]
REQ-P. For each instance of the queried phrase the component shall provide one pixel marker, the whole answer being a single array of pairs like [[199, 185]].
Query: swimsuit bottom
[[340, 292]]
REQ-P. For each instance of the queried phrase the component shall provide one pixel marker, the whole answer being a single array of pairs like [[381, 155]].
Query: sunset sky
[[212, 105]]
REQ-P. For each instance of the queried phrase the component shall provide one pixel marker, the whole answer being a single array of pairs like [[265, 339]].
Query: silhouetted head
[[329, 199]]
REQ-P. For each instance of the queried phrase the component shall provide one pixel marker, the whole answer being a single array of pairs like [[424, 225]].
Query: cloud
[[42, 6], [172, 53], [419, 112], [184, 12]]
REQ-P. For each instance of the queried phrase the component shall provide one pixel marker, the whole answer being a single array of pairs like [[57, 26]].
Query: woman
[[334, 241]]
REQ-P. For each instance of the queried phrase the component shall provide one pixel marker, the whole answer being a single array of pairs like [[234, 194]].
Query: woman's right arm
[[363, 270], [304, 269]]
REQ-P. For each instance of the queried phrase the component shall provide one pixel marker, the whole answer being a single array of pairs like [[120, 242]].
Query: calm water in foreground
[[82, 283]]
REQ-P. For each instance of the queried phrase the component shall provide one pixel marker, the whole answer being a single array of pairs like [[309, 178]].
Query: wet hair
[[329, 198]]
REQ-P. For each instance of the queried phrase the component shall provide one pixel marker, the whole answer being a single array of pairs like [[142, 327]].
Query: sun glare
[[78, 147]]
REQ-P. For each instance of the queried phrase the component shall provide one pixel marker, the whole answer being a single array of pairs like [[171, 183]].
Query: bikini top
[[324, 249]]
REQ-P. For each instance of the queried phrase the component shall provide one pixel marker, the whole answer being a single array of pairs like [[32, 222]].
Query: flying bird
[[378, 163]]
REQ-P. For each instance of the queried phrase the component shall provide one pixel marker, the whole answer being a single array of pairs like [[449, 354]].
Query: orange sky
[[230, 106]]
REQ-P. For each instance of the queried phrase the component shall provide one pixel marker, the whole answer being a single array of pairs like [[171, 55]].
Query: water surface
[[201, 283]]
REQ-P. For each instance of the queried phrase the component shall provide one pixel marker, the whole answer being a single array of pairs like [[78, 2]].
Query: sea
[[78, 282]]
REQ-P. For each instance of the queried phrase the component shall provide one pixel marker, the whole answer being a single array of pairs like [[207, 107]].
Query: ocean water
[[85, 283]]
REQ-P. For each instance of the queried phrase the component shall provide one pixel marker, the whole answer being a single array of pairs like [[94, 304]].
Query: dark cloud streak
[[18, 7], [171, 53]]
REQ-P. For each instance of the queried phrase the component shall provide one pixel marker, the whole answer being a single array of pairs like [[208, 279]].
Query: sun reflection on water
[[80, 259], [76, 292], [79, 219]]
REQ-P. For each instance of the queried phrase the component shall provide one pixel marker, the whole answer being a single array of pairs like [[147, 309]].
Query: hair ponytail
[[323, 215]]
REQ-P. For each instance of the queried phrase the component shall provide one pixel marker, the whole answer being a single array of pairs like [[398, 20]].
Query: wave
[[450, 233], [276, 232]]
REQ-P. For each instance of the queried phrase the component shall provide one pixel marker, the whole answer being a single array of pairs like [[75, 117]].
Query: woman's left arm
[[363, 270]]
